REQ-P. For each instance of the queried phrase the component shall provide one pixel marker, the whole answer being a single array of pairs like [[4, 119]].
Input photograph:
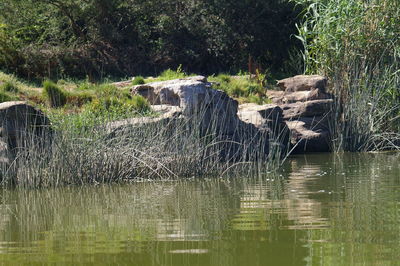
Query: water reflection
[[320, 210]]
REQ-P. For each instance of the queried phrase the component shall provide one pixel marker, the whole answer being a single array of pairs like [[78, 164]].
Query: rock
[[304, 96], [303, 83], [307, 109], [214, 113], [282, 97], [119, 128], [21, 126], [275, 96], [260, 115], [268, 117], [190, 94], [310, 134], [194, 96]]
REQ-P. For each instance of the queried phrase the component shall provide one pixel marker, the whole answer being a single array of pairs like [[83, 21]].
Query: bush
[[55, 96], [118, 108], [5, 97], [170, 74], [9, 86], [139, 103], [138, 80], [79, 98]]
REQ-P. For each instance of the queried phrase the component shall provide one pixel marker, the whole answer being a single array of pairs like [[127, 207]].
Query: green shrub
[[139, 103], [5, 97], [116, 107], [79, 98], [84, 86], [9, 86], [55, 96], [106, 90], [138, 80], [170, 74]]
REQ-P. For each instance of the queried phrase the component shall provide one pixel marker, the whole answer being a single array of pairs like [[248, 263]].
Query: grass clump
[[9, 86], [170, 74], [138, 80], [4, 97], [55, 96], [243, 88]]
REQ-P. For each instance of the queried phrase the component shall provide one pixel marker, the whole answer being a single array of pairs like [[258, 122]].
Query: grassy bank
[[114, 98]]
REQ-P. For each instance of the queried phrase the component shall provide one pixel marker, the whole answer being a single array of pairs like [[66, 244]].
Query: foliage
[[9, 86], [55, 96], [242, 88], [357, 45], [138, 80], [170, 74], [4, 97], [57, 38], [114, 107]]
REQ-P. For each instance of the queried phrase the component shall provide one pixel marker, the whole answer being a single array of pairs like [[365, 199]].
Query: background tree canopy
[[54, 38]]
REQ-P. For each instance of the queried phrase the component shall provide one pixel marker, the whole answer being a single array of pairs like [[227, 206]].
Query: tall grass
[[357, 45], [130, 150]]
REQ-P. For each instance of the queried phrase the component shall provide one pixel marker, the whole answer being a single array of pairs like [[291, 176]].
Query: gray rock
[[275, 96], [303, 83], [307, 109], [304, 96], [190, 94], [310, 134], [21, 126]]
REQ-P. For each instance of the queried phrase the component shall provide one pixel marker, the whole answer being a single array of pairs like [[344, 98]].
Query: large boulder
[[190, 94], [195, 98], [303, 83], [21, 126]]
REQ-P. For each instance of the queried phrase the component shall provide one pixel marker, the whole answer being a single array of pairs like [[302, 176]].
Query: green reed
[[357, 45], [144, 148]]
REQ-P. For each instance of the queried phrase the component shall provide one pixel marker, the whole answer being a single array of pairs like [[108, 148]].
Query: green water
[[320, 210]]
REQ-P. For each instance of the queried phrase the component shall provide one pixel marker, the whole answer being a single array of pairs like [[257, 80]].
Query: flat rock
[[303, 83], [304, 96], [275, 96], [307, 109], [259, 115]]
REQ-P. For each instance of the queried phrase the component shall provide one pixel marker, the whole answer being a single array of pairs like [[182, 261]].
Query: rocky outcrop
[[21, 126], [306, 108], [212, 113]]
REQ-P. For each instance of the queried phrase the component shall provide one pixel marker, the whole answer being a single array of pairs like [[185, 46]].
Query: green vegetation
[[244, 88], [90, 149], [55, 96], [357, 45], [54, 39], [138, 80], [9, 86]]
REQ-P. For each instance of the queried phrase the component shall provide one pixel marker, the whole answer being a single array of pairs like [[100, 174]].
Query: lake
[[320, 209]]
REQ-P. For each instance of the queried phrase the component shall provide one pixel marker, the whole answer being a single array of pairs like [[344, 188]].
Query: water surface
[[321, 209]]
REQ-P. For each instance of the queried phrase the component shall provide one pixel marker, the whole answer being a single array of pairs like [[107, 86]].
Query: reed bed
[[144, 148], [357, 45]]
